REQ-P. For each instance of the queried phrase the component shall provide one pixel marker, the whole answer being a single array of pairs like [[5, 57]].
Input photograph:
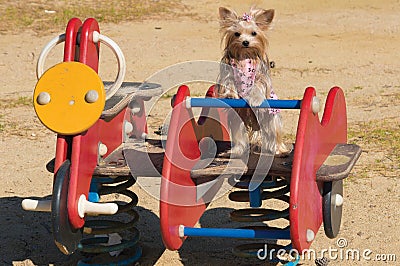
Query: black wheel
[[332, 207], [65, 237]]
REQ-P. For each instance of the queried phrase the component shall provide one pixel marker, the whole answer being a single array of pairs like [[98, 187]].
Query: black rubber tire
[[332, 215], [65, 237]]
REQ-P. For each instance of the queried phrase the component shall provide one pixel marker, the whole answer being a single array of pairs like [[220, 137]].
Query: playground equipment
[[91, 123], [309, 180], [102, 145]]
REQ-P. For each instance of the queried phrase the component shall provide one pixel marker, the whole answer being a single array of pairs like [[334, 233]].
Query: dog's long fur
[[257, 128]]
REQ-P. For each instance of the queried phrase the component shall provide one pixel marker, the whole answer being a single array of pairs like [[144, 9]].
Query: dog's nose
[[245, 43]]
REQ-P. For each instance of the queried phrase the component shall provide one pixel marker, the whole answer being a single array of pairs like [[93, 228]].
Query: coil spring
[[99, 247], [270, 188]]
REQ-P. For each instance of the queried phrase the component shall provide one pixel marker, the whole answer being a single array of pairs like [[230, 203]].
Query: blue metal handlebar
[[240, 103]]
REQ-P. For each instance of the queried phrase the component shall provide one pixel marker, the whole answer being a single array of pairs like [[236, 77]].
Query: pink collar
[[244, 72]]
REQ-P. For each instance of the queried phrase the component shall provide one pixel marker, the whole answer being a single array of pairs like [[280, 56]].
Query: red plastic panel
[[179, 204], [84, 157], [176, 172], [89, 51], [314, 142], [85, 145], [70, 39], [82, 149], [69, 55]]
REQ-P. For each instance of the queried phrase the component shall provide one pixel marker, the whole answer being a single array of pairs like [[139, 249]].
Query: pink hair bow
[[247, 17]]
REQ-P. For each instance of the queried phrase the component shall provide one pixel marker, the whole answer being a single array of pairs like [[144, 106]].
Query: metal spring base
[[106, 246], [270, 188]]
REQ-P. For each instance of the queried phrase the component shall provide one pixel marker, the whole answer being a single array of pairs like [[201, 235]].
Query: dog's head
[[244, 36]]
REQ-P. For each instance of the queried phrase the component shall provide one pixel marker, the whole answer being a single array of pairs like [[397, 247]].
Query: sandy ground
[[352, 44]]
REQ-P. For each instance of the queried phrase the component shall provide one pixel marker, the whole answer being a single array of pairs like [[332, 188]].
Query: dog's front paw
[[282, 150], [231, 95], [255, 100]]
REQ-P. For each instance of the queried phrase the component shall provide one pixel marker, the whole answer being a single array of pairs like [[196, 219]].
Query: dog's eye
[[254, 33], [237, 34]]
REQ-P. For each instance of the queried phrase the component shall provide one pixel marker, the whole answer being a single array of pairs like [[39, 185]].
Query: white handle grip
[[36, 205], [91, 208]]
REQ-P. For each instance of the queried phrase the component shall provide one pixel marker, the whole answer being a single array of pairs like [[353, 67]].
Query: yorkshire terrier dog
[[245, 73]]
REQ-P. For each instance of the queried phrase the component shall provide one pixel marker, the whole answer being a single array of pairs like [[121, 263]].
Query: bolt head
[[128, 127], [315, 105], [337, 200], [102, 149], [310, 235], [43, 98], [91, 96]]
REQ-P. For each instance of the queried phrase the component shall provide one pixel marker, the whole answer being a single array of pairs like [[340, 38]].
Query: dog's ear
[[227, 17], [263, 18]]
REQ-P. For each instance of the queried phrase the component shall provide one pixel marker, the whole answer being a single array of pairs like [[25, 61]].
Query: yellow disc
[[69, 98]]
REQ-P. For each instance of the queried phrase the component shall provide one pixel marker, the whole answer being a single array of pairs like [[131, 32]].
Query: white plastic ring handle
[[120, 59], [96, 38], [45, 52]]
